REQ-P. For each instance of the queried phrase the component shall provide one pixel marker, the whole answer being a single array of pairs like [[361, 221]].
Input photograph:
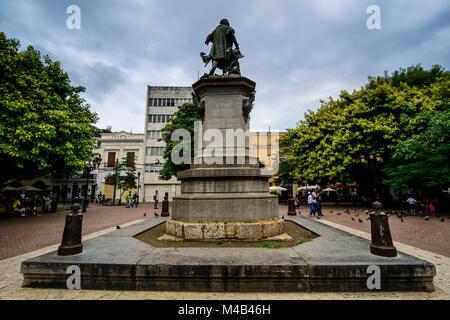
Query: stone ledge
[[243, 230]]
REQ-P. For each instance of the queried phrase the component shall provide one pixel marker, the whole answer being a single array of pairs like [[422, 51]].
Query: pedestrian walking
[[135, 201], [311, 204], [156, 199], [128, 200]]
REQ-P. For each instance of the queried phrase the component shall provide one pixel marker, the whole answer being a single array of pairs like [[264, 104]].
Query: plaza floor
[[101, 220]]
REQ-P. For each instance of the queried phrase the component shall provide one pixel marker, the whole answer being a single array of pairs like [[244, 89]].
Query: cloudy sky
[[297, 52]]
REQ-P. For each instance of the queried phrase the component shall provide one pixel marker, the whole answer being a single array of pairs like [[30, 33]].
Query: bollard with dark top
[[165, 206], [381, 244], [291, 207], [71, 241]]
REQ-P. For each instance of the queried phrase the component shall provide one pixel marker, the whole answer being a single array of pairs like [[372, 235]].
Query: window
[[153, 134], [130, 159], [154, 151], [111, 159], [153, 167]]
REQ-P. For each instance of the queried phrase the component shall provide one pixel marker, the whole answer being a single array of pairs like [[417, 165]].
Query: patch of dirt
[[300, 235]]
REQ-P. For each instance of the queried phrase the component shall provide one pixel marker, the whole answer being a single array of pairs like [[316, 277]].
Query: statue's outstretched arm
[[209, 38]]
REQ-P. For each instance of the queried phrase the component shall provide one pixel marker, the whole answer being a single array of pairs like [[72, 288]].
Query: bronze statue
[[222, 54]]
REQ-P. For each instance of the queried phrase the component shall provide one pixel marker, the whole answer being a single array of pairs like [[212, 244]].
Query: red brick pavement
[[432, 235], [22, 235]]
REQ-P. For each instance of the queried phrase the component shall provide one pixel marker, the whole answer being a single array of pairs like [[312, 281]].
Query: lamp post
[[373, 161], [138, 193], [93, 164]]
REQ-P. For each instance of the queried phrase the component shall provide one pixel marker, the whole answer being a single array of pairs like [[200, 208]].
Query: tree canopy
[[46, 127], [185, 118], [404, 116]]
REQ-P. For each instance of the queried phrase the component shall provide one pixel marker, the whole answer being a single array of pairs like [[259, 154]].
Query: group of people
[[27, 205], [315, 203], [414, 204], [133, 198]]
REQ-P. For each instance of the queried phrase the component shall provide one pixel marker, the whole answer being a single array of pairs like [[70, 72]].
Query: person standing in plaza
[[135, 197], [155, 199], [412, 205], [128, 200], [311, 204]]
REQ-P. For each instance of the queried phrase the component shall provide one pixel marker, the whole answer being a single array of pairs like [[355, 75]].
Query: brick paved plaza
[[22, 235]]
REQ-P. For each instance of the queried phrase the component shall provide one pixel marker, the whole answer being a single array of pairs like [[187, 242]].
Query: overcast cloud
[[297, 52]]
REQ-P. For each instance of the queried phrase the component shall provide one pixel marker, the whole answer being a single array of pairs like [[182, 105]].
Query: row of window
[[153, 167], [112, 159], [160, 118], [154, 151], [153, 134], [167, 102]]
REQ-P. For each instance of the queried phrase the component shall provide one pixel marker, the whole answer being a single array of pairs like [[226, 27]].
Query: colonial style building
[[161, 104], [116, 147]]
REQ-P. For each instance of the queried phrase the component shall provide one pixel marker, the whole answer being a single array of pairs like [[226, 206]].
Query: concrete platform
[[334, 262]]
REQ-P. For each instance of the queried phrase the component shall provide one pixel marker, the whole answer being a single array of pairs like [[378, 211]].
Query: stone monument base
[[241, 230]]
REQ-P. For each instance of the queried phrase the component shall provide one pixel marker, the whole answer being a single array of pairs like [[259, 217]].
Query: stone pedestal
[[225, 184]]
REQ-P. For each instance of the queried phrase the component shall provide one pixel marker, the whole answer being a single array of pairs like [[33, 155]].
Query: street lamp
[[138, 194], [91, 165], [373, 162]]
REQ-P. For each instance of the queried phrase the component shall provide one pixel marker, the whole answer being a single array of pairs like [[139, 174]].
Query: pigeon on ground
[[401, 219], [338, 213], [156, 215], [331, 211], [346, 210], [145, 213], [118, 227], [353, 219], [426, 218], [360, 220], [442, 219]]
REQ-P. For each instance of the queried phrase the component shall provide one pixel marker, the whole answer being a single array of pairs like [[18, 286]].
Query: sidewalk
[[11, 278]]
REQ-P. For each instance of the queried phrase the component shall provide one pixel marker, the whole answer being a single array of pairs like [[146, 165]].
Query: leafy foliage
[[46, 127], [184, 118], [404, 116], [123, 176]]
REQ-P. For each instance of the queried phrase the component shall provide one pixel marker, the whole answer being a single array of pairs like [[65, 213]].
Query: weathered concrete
[[243, 230], [335, 261], [228, 185]]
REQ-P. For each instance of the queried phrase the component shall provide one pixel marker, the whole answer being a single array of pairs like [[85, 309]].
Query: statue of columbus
[[222, 54]]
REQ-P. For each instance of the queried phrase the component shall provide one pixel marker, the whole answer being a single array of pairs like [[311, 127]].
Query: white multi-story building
[[162, 103]]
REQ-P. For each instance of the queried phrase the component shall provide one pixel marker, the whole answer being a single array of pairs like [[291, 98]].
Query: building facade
[[113, 147], [161, 104]]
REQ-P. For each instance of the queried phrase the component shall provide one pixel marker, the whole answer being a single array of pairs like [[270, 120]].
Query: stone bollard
[[381, 244], [291, 207], [165, 206], [71, 241]]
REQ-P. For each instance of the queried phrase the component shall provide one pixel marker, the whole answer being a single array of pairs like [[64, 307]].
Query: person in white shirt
[[412, 204], [156, 199]]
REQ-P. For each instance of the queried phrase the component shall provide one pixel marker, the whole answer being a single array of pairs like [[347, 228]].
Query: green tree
[[46, 127], [382, 116], [184, 118], [123, 177]]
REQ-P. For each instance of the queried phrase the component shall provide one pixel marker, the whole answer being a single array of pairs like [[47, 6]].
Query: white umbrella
[[308, 187], [9, 188], [330, 189], [277, 188]]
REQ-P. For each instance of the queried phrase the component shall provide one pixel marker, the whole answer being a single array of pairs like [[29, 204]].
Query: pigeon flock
[[401, 214]]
